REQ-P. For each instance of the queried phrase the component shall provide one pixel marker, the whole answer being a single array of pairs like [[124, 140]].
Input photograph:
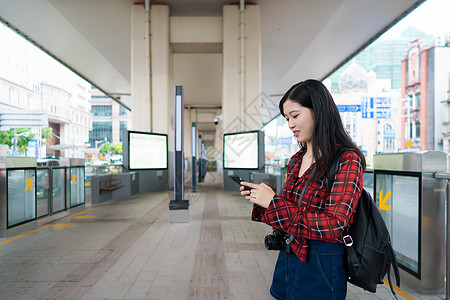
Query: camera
[[217, 118], [278, 240]]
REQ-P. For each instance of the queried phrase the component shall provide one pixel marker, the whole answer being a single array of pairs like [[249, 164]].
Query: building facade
[[384, 58], [110, 120], [370, 110], [31, 80], [425, 86]]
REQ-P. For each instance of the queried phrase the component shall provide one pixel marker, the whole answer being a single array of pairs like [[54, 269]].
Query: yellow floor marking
[[59, 226], [399, 291], [81, 212], [85, 217], [50, 218], [22, 235], [54, 226]]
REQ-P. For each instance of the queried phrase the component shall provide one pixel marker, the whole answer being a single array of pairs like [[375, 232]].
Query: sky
[[431, 17]]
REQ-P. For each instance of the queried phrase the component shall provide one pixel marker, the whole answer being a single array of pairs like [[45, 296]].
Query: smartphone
[[238, 180]]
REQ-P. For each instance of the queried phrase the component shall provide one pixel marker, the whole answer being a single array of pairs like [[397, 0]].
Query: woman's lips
[[296, 133]]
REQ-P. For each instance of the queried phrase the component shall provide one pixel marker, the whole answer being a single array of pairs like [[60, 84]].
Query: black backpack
[[368, 252]]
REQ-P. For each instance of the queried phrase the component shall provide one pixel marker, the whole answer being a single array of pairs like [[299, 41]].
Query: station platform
[[128, 249]]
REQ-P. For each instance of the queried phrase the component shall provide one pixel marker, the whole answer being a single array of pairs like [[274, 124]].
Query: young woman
[[312, 267]]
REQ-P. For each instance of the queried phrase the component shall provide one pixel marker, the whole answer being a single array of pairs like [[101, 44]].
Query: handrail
[[442, 175], [446, 175]]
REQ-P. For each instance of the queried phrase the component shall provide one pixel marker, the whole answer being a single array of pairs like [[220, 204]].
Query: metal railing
[[447, 235]]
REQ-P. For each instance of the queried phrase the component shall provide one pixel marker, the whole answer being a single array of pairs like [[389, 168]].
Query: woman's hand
[[260, 194]]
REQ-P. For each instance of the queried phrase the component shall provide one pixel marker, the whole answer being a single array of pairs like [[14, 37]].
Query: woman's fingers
[[245, 193], [249, 184]]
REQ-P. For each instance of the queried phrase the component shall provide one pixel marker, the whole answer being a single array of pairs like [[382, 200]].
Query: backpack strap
[[351, 254], [393, 262]]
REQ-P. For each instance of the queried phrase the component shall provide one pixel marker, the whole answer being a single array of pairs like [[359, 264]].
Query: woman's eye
[[295, 117]]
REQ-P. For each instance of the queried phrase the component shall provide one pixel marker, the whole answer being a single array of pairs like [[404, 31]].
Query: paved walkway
[[127, 249]]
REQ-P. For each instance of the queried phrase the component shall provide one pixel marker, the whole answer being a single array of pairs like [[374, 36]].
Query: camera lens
[[271, 242]]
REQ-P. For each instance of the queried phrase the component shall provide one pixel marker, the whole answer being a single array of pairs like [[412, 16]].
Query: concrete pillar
[[162, 94], [150, 56], [241, 96], [140, 69]]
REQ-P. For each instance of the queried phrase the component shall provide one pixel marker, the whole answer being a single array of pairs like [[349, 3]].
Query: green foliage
[[113, 148], [47, 133], [104, 147], [6, 138], [117, 148], [22, 142]]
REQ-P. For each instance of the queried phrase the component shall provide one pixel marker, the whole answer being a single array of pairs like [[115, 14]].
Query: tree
[[6, 137], [104, 147], [46, 133], [113, 148], [117, 148]]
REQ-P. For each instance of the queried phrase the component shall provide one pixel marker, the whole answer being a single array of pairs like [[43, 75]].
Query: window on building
[[101, 110], [389, 138], [123, 129], [417, 129], [100, 131], [417, 99], [122, 111], [409, 102]]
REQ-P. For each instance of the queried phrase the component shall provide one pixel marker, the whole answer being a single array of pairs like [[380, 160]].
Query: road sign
[[383, 107], [376, 107], [367, 108], [349, 108], [33, 148], [383, 113]]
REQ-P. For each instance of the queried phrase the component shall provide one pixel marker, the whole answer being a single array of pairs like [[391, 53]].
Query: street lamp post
[[96, 145], [100, 141], [16, 137]]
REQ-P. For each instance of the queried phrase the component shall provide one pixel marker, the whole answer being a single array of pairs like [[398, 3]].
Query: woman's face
[[300, 120]]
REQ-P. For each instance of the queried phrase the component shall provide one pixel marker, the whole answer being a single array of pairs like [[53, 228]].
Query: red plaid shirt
[[327, 214]]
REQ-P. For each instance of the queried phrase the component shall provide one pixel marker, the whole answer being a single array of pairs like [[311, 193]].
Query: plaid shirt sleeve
[[321, 215], [258, 211]]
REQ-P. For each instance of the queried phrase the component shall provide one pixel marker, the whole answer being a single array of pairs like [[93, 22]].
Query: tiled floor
[[127, 249]]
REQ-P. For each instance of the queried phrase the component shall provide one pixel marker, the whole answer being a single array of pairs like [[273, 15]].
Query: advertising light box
[[147, 150], [243, 150]]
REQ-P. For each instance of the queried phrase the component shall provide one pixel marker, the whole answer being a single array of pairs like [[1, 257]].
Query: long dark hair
[[329, 133]]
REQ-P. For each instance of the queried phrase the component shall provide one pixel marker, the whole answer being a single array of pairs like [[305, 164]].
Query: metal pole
[[194, 155], [447, 238], [200, 158], [179, 178]]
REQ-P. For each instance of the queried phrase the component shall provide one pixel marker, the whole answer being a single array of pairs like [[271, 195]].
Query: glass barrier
[[21, 197], [115, 168], [399, 200], [368, 182], [59, 189], [76, 186], [42, 192]]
